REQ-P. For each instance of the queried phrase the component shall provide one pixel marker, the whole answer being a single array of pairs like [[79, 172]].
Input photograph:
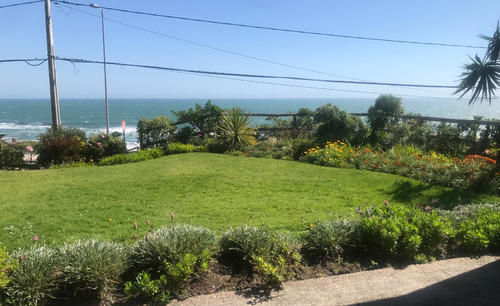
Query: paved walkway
[[460, 281]]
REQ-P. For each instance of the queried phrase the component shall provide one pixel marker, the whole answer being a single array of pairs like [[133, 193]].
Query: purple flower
[[427, 208], [433, 202], [29, 149], [35, 238], [358, 209]]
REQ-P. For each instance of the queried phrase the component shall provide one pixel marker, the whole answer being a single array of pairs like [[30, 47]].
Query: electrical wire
[[226, 76], [234, 53], [26, 60], [253, 75], [19, 4], [276, 29]]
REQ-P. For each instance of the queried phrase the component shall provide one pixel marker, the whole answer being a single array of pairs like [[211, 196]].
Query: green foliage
[[92, 266], [33, 281], [386, 112], [100, 146], [236, 129], [11, 157], [203, 120], [474, 172], [259, 251], [410, 132], [132, 157], [60, 145], [179, 148], [334, 124], [154, 133], [6, 267], [329, 239], [147, 288], [169, 245], [172, 255], [217, 145]]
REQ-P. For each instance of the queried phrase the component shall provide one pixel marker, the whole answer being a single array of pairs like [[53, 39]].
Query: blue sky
[[198, 46]]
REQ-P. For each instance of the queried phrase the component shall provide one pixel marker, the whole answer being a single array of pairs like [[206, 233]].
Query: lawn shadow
[[410, 192], [477, 287]]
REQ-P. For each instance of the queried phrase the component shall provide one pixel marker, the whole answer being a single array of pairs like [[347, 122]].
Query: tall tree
[[482, 76]]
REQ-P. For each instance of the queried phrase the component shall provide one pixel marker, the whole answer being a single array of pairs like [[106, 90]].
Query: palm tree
[[235, 125], [482, 77]]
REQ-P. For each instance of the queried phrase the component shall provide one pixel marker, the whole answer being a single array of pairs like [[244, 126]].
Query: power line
[[277, 29], [252, 75], [236, 53], [232, 74], [19, 4], [226, 76]]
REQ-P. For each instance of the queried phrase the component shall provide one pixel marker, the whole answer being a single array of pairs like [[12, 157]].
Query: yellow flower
[[110, 219]]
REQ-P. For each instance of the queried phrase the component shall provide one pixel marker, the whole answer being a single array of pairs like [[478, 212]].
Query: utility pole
[[104, 56], [54, 97]]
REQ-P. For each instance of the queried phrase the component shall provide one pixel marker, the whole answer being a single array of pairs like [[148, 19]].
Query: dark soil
[[226, 278]]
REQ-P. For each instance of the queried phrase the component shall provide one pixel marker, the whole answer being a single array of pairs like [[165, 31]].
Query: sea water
[[25, 119]]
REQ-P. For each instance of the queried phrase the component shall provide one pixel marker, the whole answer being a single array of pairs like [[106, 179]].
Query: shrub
[[154, 133], [170, 256], [33, 281], [6, 267], [259, 251], [11, 157], [390, 232], [92, 266], [477, 227], [60, 145], [178, 148], [101, 145], [132, 157], [334, 124], [217, 145], [386, 112], [329, 239], [203, 120], [170, 245], [147, 288]]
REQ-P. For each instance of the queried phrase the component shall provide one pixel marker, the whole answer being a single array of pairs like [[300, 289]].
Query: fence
[[416, 117]]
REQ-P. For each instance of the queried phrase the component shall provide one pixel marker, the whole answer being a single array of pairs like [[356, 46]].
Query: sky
[[182, 44]]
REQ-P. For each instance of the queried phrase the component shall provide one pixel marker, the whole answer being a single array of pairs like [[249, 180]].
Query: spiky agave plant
[[235, 126]]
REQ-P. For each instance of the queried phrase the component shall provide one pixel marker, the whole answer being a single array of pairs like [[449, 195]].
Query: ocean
[[24, 119]]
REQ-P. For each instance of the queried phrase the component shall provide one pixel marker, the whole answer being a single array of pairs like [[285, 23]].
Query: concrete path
[[460, 281]]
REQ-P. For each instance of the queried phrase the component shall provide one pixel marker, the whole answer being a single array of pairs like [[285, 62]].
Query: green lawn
[[215, 191]]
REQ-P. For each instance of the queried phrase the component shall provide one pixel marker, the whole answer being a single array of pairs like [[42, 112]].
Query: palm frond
[[493, 50], [480, 77]]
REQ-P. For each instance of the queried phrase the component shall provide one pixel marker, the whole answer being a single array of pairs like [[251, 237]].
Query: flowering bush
[[60, 145], [100, 146], [473, 172]]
